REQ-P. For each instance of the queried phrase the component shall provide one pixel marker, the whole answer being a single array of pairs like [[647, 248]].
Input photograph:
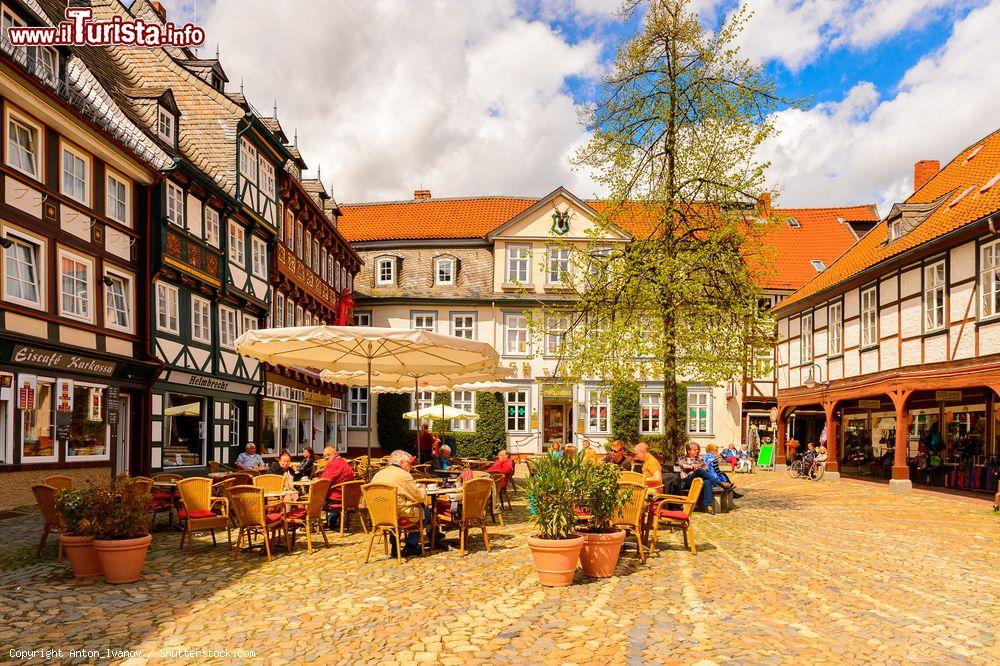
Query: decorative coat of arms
[[560, 222]]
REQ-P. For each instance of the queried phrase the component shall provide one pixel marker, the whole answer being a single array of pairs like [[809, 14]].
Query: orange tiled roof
[[969, 172], [472, 217]]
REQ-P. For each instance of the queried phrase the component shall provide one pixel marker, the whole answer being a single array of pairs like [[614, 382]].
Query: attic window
[[818, 265], [895, 229], [961, 196], [993, 181], [793, 223], [166, 125]]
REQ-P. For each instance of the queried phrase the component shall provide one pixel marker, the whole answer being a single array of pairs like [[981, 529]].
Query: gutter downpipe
[[146, 429]]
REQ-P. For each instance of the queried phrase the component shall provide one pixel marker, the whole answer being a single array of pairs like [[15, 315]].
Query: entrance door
[[554, 423], [123, 436]]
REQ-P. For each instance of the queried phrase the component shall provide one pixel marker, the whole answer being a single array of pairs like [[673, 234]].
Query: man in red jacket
[[338, 471]]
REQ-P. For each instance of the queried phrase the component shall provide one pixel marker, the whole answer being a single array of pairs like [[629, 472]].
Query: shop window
[[519, 264], [304, 430], [186, 430], [650, 405], [117, 199], [934, 286], [38, 442], [989, 279], [23, 259], [517, 411], [357, 403], [598, 411], [330, 429], [699, 420], [466, 401], [269, 426], [88, 426]]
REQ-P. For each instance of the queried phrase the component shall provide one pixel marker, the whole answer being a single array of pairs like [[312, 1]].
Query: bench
[[723, 499]]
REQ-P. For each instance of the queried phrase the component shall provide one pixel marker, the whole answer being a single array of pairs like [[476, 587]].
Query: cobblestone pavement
[[801, 572]]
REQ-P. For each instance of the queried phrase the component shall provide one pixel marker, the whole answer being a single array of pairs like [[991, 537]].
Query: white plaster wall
[[852, 363], [869, 361], [852, 333], [852, 303], [889, 354], [910, 352], [836, 368], [936, 349], [889, 321], [910, 319], [963, 262], [963, 341], [909, 283], [989, 338], [888, 289], [962, 302]]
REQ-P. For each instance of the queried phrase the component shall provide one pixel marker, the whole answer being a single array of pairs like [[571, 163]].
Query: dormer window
[[385, 271], [895, 229], [444, 271], [793, 223], [166, 125], [818, 265]]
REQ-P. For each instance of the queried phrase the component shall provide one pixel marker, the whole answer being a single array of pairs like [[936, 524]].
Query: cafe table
[[432, 496]]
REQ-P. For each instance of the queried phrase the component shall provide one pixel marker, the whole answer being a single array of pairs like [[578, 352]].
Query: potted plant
[[602, 541], [555, 489], [119, 512], [78, 538]]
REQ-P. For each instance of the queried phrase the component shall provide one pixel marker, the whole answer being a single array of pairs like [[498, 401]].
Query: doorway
[[553, 423]]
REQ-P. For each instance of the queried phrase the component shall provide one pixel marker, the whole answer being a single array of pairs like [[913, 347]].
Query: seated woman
[[443, 458], [722, 479], [306, 467], [283, 467]]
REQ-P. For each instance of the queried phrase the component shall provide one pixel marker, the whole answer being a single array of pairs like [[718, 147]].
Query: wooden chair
[[475, 500], [631, 516], [383, 511], [59, 482], [350, 504], [498, 480], [677, 518], [52, 520], [196, 512], [247, 503], [631, 477], [163, 499], [309, 513], [143, 483]]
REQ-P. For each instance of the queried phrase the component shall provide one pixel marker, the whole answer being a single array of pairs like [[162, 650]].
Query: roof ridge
[[865, 205], [433, 199]]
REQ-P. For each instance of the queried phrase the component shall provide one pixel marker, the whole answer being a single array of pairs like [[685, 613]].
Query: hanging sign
[[64, 395], [27, 385], [94, 411], [946, 396], [869, 404]]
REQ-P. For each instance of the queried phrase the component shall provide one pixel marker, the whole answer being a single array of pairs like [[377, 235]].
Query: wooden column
[[829, 408], [900, 470], [779, 455]]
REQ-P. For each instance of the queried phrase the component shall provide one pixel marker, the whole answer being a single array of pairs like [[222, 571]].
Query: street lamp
[[810, 380]]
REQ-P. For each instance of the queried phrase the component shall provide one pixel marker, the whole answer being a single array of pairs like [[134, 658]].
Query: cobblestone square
[[801, 572]]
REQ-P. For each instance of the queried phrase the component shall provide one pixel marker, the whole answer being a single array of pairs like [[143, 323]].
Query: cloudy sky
[[481, 96]]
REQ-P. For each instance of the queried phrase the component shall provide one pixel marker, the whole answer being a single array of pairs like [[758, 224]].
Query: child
[[746, 462], [810, 455]]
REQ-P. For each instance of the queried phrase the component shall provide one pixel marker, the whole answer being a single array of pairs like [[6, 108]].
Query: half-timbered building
[[75, 369], [897, 344]]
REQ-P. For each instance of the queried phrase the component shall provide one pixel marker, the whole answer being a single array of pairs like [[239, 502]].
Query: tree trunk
[[671, 429]]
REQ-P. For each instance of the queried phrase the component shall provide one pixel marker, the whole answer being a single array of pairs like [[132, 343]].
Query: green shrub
[[117, 509], [603, 497], [555, 488], [73, 504], [625, 411]]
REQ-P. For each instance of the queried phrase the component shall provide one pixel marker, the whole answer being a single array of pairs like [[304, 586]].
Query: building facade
[[475, 267], [898, 343]]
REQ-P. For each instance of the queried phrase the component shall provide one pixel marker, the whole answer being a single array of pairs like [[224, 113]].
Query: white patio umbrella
[[354, 349], [440, 413]]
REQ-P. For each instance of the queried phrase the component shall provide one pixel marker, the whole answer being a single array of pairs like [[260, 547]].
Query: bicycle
[[798, 470]]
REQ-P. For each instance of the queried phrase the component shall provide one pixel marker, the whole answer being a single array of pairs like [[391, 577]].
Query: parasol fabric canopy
[[440, 413], [434, 382], [190, 409]]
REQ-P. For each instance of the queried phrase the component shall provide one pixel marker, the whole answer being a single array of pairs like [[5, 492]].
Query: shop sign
[[201, 381], [315, 398], [869, 404], [27, 385], [64, 399], [773, 414], [557, 391], [947, 396], [61, 361]]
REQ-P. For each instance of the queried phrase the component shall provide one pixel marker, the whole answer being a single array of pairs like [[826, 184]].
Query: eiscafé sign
[[61, 361]]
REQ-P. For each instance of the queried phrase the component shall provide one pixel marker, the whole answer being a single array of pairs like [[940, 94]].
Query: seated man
[[409, 493], [504, 465], [692, 466], [617, 455], [443, 459], [650, 467], [722, 479], [249, 459], [338, 471]]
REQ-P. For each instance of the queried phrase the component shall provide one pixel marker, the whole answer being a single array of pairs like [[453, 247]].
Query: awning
[[190, 409]]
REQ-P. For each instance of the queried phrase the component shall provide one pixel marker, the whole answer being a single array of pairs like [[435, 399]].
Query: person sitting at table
[[586, 452], [249, 459], [443, 459], [305, 468], [693, 466], [283, 467], [427, 442], [617, 455], [410, 496], [338, 471], [649, 466], [504, 465]]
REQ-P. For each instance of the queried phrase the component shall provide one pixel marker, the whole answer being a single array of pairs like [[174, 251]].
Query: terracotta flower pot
[[122, 559], [599, 555], [555, 559], [81, 555]]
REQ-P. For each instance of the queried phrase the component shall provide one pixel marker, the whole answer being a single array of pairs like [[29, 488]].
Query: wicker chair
[[309, 513], [631, 477], [164, 500], [499, 478], [247, 503], [241, 479], [633, 514], [52, 520], [350, 504], [58, 482], [219, 485], [270, 483], [475, 501], [360, 466], [677, 518], [143, 483], [383, 511], [196, 513]]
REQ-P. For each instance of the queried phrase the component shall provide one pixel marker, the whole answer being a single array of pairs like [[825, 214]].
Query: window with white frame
[[557, 266], [23, 146], [267, 179], [38, 441], [330, 275], [259, 256], [357, 406], [423, 321], [699, 403], [290, 313], [76, 281], [315, 264], [175, 204], [116, 200], [598, 411], [466, 401], [517, 411], [362, 318], [118, 301], [307, 240], [237, 243], [75, 175], [420, 400], [248, 161], [463, 325], [23, 260], [385, 270], [201, 320], [227, 327], [249, 323], [279, 310], [166, 125], [555, 335], [806, 339], [836, 333], [869, 317], [211, 226], [650, 405], [300, 316], [299, 231], [444, 271], [47, 63], [934, 286], [989, 279], [10, 20], [166, 308], [515, 334], [519, 264]]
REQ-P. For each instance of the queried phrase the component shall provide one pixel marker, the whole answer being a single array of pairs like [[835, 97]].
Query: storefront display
[[295, 418]]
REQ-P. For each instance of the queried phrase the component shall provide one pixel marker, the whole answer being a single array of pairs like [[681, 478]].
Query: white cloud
[[459, 97], [862, 149]]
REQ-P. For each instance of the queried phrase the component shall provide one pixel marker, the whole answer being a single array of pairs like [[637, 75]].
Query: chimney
[[419, 195], [923, 171], [160, 10]]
